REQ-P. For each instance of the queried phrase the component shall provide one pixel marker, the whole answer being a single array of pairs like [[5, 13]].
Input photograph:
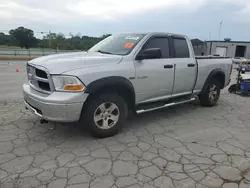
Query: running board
[[164, 106]]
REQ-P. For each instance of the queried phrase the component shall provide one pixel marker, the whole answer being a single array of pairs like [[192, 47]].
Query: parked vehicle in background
[[137, 71], [241, 60]]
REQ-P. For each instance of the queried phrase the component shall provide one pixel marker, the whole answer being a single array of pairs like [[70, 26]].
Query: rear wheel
[[105, 115], [211, 95]]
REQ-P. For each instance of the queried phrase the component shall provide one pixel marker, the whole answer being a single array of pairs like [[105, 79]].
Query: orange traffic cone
[[17, 70]]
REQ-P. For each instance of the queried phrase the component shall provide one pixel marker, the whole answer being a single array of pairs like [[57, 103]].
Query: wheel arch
[[217, 74], [116, 84]]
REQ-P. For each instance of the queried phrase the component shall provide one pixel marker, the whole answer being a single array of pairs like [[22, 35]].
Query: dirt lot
[[188, 146]]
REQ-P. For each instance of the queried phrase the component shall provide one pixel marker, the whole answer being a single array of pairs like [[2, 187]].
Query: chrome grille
[[39, 79]]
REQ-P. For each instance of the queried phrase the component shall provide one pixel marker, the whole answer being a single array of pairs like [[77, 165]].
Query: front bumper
[[57, 107]]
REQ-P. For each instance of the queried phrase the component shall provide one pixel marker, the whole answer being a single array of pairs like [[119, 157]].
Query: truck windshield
[[121, 44]]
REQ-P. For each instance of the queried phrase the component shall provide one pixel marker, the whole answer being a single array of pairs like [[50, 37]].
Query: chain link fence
[[31, 52]]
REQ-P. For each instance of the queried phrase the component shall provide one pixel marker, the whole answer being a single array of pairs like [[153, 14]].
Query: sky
[[194, 18]]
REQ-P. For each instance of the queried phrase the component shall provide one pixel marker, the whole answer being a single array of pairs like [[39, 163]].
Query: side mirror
[[149, 53]]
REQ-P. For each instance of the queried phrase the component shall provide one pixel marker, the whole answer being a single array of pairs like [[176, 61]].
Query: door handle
[[168, 66], [191, 65]]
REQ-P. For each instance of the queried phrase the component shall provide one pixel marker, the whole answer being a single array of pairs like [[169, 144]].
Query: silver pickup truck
[[136, 71]]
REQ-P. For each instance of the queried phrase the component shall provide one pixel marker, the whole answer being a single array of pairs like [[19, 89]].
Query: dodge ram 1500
[[133, 71]]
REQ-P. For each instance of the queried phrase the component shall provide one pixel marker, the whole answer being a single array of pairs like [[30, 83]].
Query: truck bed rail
[[211, 57]]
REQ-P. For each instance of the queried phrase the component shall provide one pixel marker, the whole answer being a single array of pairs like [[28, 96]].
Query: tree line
[[24, 38]]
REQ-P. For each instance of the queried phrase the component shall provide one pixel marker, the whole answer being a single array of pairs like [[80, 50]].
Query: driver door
[[155, 77]]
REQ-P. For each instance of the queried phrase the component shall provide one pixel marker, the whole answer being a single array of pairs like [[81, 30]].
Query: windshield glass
[[121, 44]]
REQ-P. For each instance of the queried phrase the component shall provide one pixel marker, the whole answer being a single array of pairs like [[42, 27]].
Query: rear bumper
[[57, 107]]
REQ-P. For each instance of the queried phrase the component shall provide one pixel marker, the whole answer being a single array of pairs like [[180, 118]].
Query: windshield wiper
[[103, 52]]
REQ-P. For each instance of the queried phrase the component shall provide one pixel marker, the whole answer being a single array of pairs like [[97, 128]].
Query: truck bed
[[206, 64]]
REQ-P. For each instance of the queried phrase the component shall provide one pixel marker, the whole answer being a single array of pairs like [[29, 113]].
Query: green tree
[[105, 36], [24, 37], [54, 41], [6, 40]]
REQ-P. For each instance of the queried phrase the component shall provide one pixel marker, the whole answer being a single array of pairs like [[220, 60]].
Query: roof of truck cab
[[165, 33], [156, 33]]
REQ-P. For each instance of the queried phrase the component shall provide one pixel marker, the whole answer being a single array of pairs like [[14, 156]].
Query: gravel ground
[[188, 146]]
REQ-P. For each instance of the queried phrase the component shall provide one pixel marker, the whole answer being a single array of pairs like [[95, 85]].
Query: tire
[[211, 94], [105, 115]]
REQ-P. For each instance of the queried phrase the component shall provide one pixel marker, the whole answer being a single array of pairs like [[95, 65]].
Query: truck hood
[[60, 63]]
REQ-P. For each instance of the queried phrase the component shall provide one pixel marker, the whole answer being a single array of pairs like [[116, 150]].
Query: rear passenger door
[[185, 68]]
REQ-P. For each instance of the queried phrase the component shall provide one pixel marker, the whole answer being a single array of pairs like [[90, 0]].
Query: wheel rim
[[106, 115], [213, 92]]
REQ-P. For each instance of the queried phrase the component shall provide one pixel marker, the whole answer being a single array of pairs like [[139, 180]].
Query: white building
[[223, 48]]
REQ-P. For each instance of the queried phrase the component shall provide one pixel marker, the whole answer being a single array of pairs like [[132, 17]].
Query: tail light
[[231, 69]]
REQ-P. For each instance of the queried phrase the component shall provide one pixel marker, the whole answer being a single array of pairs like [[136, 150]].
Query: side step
[[145, 109]]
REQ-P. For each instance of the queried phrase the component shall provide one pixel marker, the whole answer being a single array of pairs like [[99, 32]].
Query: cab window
[[159, 42], [181, 48]]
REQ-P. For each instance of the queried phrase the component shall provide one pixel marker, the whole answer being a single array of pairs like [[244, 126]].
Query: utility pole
[[42, 32], [220, 29], [49, 34], [49, 38]]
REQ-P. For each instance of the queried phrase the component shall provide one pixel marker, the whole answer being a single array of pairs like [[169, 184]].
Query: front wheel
[[105, 115], [211, 95]]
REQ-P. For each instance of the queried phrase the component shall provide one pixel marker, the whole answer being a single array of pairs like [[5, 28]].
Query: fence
[[31, 52]]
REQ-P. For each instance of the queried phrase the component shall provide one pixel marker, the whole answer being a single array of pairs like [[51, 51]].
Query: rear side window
[[159, 42], [181, 48]]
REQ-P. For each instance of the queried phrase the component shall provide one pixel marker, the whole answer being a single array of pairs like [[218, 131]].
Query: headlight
[[67, 83]]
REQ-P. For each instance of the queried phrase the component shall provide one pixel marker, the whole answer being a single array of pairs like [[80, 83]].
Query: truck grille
[[41, 73], [39, 79]]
